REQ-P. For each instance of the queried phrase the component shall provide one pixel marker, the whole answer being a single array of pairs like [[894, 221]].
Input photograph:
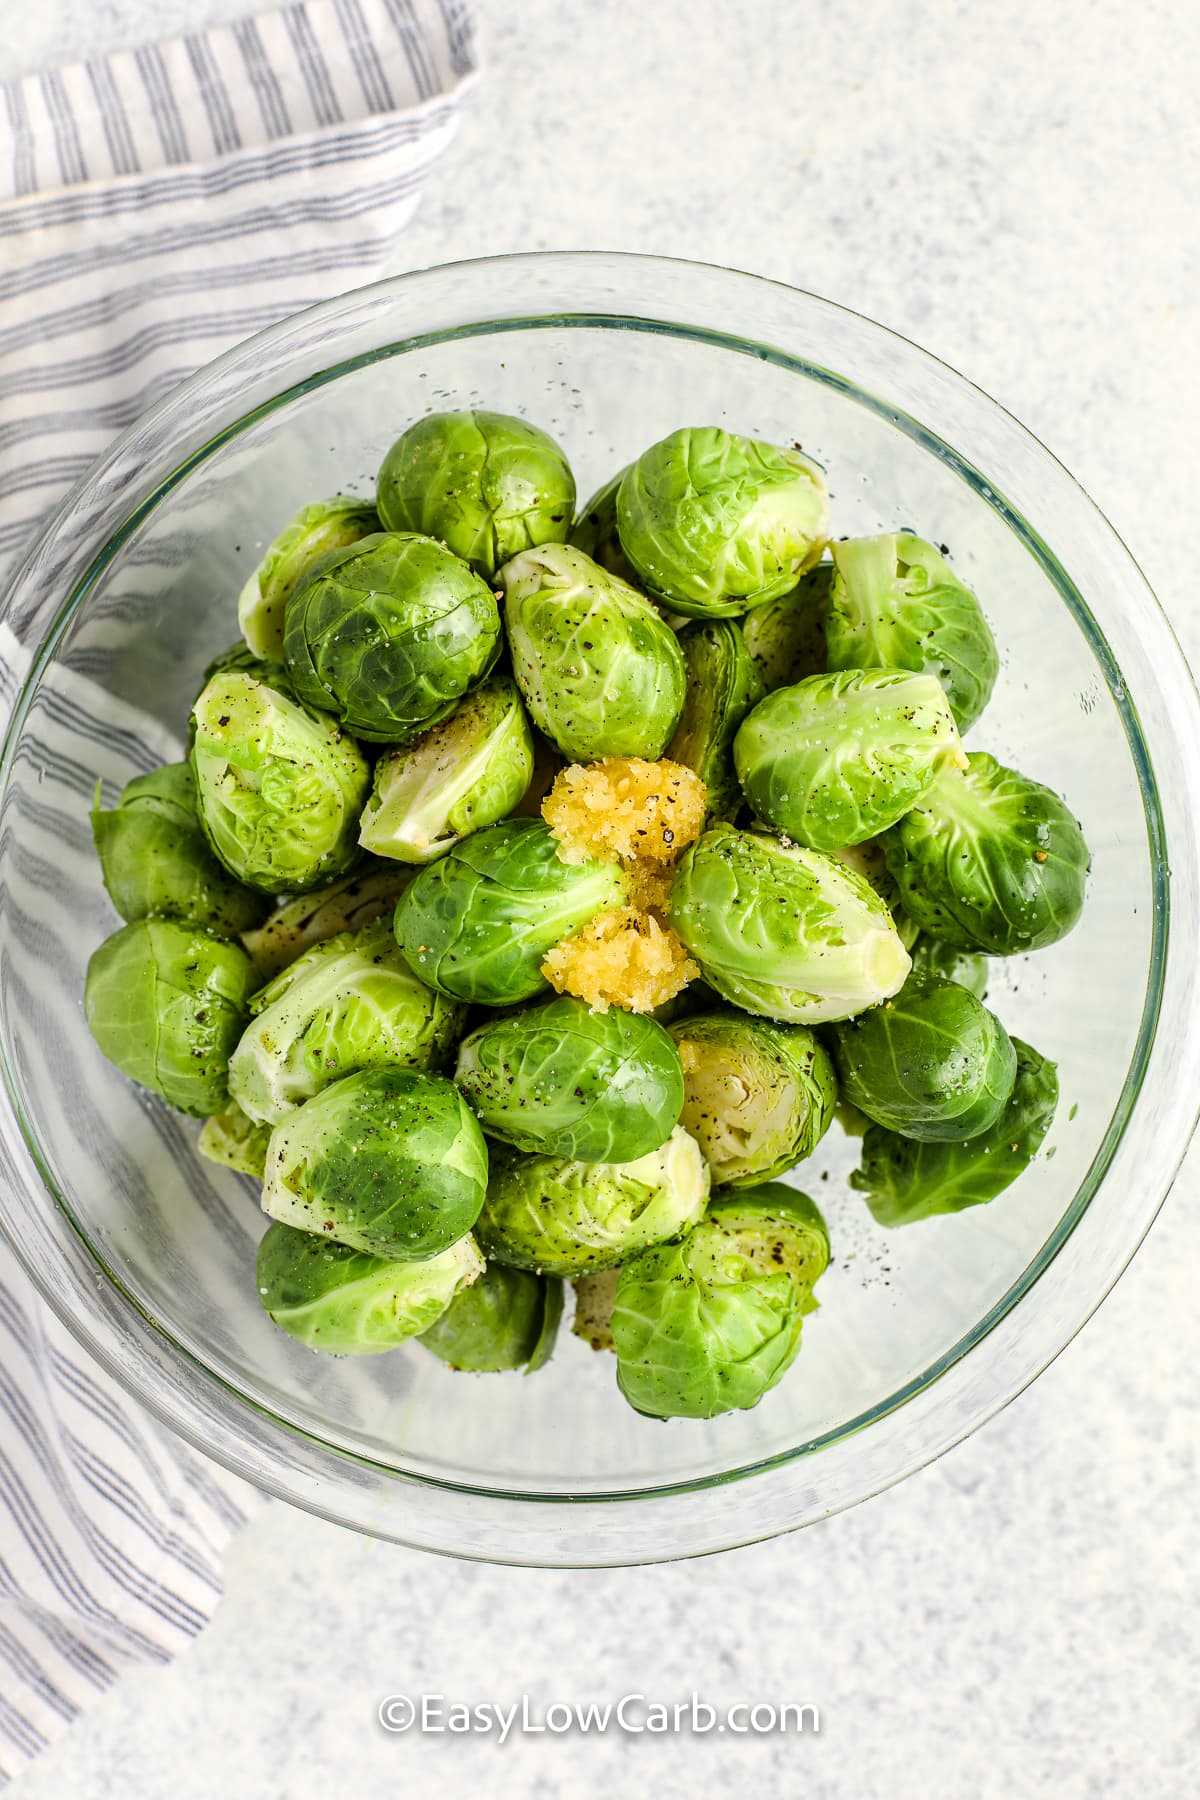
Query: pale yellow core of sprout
[[640, 812], [623, 957]]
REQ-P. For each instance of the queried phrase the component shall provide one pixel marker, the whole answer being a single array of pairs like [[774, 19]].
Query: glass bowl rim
[[1010, 516]]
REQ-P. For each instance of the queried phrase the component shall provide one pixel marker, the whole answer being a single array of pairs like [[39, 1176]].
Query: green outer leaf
[[479, 923], [784, 932], [708, 1325], [370, 893], [562, 1080], [786, 637], [348, 1303], [905, 1180], [896, 603], [595, 531], [502, 1321], [236, 1142], [349, 1003], [459, 776], [572, 1218], [715, 523], [838, 758], [990, 860], [722, 685], [389, 1161], [390, 634], [166, 1003], [758, 1097], [486, 484], [156, 860], [600, 671], [279, 788], [932, 1063], [968, 967], [316, 529]]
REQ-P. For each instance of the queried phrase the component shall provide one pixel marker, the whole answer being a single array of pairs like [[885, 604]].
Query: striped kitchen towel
[[156, 207]]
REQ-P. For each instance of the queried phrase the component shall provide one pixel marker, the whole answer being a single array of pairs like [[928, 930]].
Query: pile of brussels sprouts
[[681, 758]]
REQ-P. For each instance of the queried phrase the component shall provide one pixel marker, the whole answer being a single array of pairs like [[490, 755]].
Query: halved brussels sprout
[[296, 925], [595, 531], [166, 1002], [932, 1063], [236, 1142], [905, 1179], [715, 523], [347, 1302], [786, 637], [486, 484], [565, 1081], [324, 525], [465, 773], [570, 1218], [479, 923], [601, 672], [156, 860], [722, 686], [278, 787], [390, 634], [349, 1003], [784, 932], [758, 1097], [708, 1325], [508, 1319], [990, 860], [968, 967], [595, 1297], [389, 1161], [838, 758], [896, 603]]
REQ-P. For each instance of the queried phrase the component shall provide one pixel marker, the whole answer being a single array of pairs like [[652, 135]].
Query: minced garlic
[[639, 812], [623, 957]]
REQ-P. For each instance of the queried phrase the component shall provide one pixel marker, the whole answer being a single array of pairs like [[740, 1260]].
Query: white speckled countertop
[[1015, 187]]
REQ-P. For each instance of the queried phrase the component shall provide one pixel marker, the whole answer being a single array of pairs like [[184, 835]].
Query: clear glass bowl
[[147, 1252]]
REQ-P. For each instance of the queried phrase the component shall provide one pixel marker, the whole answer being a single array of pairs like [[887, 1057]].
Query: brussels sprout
[[708, 1325], [479, 923], [345, 905], [784, 932], [570, 1218], [508, 1319], [839, 758], [967, 967], [156, 861], [486, 484], [349, 1303], [990, 860], [595, 532], [465, 773], [786, 637], [389, 635], [758, 1097], [602, 674], [933, 1063], [166, 1002], [569, 1082], [595, 1297], [236, 1142], [896, 603], [278, 788], [714, 523], [905, 1179], [325, 525], [388, 1160], [349, 1003], [722, 686]]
